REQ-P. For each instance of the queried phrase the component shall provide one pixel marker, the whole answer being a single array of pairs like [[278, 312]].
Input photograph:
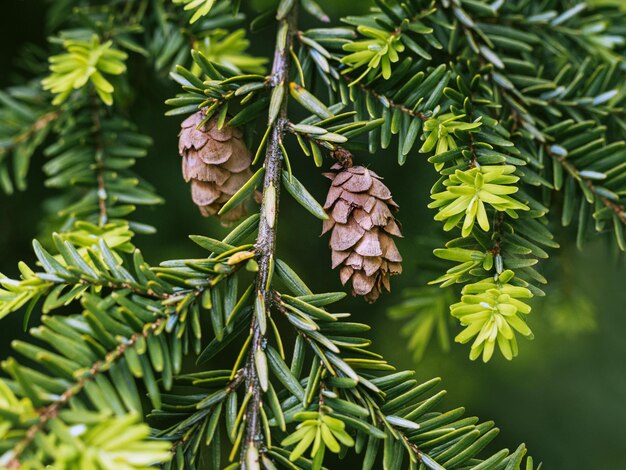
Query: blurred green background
[[565, 393]]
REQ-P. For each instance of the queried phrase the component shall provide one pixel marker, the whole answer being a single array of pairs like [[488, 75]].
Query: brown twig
[[102, 191], [392, 104], [266, 240], [41, 122]]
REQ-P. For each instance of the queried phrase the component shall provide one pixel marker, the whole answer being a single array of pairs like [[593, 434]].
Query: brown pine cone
[[217, 163], [359, 206]]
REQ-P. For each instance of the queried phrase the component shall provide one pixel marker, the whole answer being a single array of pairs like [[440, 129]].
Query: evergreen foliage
[[519, 107]]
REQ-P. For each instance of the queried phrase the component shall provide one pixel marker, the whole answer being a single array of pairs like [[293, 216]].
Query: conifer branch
[[231, 388], [619, 209], [42, 121], [266, 240], [387, 100], [52, 410]]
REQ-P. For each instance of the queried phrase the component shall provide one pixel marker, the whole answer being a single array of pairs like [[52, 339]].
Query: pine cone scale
[[362, 284], [371, 265], [203, 193], [393, 228], [333, 195], [239, 160], [345, 236], [369, 245], [341, 210], [214, 152]]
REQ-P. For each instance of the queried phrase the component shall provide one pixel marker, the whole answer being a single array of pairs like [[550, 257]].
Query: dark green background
[[564, 395]]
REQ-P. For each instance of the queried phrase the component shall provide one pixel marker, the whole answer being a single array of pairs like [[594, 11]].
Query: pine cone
[[217, 163], [359, 207]]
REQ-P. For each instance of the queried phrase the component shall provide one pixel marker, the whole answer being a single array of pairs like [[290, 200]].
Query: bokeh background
[[564, 395]]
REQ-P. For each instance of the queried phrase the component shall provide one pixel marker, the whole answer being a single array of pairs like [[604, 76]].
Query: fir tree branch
[[231, 387], [266, 240], [361, 395], [134, 288], [52, 410], [383, 98], [619, 209], [418, 455], [498, 217], [41, 122]]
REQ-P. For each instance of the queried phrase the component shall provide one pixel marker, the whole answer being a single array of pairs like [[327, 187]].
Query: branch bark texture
[[266, 240]]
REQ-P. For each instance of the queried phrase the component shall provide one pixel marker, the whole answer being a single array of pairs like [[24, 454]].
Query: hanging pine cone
[[217, 163], [360, 208]]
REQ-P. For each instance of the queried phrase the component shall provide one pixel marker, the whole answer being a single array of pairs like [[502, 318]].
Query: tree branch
[[384, 98], [266, 240], [618, 209], [41, 122], [102, 191], [53, 409], [230, 388]]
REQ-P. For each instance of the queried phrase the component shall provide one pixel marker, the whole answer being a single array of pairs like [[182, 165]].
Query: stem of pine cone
[[266, 241], [342, 156]]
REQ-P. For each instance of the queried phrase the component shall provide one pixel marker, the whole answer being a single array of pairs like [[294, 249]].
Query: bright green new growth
[[490, 311], [379, 52], [85, 61], [200, 8], [471, 260], [229, 50], [115, 442], [318, 431], [440, 131], [468, 191]]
